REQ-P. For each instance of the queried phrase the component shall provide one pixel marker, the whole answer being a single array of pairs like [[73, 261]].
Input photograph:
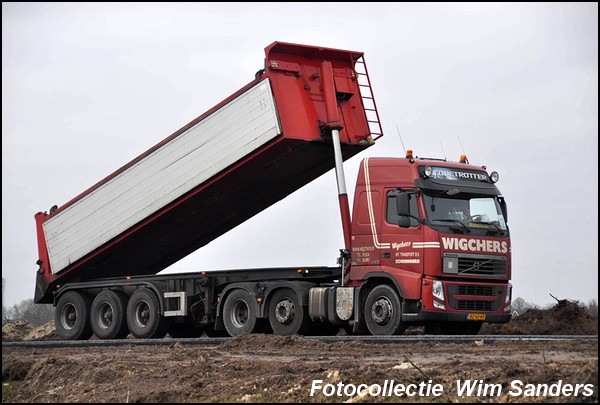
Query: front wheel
[[383, 312]]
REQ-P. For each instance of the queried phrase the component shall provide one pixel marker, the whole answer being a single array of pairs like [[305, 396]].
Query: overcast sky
[[88, 87]]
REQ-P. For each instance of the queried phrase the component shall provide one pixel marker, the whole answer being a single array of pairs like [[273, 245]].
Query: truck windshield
[[464, 213]]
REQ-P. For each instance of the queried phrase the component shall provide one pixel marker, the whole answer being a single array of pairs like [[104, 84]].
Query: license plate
[[476, 317]]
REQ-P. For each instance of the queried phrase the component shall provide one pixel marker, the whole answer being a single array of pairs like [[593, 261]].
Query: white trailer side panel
[[219, 140]]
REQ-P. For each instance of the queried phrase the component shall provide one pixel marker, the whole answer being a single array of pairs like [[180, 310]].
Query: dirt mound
[[22, 330], [44, 332], [15, 369], [16, 331], [565, 318]]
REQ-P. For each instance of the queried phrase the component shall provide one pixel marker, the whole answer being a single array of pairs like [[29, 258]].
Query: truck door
[[405, 250]]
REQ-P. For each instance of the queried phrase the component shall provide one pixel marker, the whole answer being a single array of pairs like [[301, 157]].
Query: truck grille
[[467, 305], [474, 265], [475, 290], [458, 290]]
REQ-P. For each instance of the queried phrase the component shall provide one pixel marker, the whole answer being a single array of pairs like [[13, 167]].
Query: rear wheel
[[383, 311], [108, 315], [72, 316], [143, 316], [239, 313], [287, 316]]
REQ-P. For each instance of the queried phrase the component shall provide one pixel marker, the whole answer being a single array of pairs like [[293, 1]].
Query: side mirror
[[504, 209], [403, 210], [402, 204]]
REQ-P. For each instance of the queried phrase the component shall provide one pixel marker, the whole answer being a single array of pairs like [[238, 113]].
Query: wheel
[[239, 313], [143, 316], [287, 316], [383, 312], [453, 328], [183, 330], [107, 316], [72, 316]]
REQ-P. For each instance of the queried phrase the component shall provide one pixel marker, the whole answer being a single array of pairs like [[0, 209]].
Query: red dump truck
[[428, 242]]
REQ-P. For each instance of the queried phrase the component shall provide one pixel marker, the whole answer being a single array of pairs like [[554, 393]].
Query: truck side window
[[392, 215]]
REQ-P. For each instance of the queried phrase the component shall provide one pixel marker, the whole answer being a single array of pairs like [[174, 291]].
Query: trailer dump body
[[259, 145]]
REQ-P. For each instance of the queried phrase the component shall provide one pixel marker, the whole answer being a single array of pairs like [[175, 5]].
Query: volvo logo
[[476, 266]]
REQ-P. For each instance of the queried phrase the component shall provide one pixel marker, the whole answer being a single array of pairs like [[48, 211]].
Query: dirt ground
[[269, 368]]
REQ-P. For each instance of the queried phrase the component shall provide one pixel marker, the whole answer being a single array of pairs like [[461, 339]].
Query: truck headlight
[[427, 172], [438, 290], [494, 177]]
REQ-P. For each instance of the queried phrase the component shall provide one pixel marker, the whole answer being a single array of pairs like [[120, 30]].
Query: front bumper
[[437, 316]]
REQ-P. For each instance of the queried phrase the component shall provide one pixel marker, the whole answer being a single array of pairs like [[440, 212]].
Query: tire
[[108, 316], [287, 316], [72, 316], [383, 312], [240, 313], [143, 316]]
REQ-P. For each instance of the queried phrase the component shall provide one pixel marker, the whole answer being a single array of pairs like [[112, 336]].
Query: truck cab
[[429, 237]]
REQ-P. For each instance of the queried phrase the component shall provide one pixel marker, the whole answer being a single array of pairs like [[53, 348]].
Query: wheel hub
[[69, 317], [142, 314], [240, 313], [285, 311], [382, 311], [105, 316]]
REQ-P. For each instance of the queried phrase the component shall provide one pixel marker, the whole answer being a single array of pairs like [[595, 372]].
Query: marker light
[[494, 177], [463, 159], [409, 154], [438, 305], [428, 171], [508, 294]]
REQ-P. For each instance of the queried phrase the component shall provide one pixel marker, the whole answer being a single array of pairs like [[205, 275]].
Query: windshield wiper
[[489, 223], [455, 221]]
